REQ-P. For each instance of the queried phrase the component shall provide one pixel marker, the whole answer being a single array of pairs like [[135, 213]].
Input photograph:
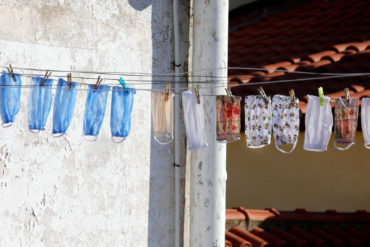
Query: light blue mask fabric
[[120, 118], [10, 98], [64, 105], [96, 103], [39, 104]]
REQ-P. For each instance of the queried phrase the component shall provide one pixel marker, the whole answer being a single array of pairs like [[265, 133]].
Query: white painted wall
[[67, 191]]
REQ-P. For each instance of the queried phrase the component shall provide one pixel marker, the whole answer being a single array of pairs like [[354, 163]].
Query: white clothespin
[[263, 94], [346, 93]]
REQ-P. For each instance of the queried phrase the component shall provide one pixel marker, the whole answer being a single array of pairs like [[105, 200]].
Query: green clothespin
[[321, 95], [123, 83]]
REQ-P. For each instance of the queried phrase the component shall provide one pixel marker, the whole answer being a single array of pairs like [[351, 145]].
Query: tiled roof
[[324, 36], [259, 228]]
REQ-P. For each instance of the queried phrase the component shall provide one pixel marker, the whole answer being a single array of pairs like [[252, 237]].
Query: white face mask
[[319, 123], [257, 121], [194, 121], [285, 120], [365, 120]]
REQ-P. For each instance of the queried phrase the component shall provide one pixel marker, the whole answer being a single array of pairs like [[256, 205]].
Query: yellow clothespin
[[263, 94], [46, 76], [69, 79], [321, 95], [292, 96], [196, 90], [10, 71], [98, 81], [167, 91], [346, 93]]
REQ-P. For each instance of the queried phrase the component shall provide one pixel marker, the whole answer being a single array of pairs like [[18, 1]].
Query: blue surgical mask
[[64, 105]]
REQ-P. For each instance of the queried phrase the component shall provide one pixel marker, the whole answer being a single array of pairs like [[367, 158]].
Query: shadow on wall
[[161, 195]]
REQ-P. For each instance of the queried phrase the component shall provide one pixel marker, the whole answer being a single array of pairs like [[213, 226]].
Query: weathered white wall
[[67, 191]]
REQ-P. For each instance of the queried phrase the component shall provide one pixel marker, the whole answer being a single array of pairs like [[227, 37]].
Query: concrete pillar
[[208, 166]]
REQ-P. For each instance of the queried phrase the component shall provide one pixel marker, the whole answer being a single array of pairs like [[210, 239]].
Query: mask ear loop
[[290, 151], [344, 148], [367, 145]]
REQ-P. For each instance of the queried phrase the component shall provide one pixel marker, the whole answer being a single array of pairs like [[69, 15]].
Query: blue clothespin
[[123, 83]]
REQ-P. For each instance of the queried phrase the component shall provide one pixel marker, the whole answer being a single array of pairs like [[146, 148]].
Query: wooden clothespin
[[10, 71], [46, 76], [321, 96], [229, 93], [346, 93], [292, 96], [263, 94], [69, 79], [98, 81], [167, 92], [196, 90]]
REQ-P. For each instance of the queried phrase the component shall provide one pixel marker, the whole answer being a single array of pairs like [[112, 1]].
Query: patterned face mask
[[39, 105], [285, 119], [228, 118], [10, 98], [365, 120], [257, 121], [346, 114], [162, 115]]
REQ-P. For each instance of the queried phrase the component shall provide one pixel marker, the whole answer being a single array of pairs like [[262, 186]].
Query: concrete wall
[[67, 191], [266, 178]]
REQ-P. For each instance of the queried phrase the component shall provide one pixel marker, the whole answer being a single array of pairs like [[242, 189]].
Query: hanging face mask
[[319, 123], [285, 120], [162, 114], [10, 98], [120, 118], [346, 114], [194, 121], [228, 118], [39, 104], [365, 120], [64, 105], [257, 121], [96, 103]]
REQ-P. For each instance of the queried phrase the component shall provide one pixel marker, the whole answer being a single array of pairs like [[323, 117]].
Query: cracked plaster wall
[[67, 191]]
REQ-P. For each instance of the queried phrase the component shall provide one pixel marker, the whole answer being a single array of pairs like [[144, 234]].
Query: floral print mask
[[346, 115], [228, 118], [285, 119], [257, 121]]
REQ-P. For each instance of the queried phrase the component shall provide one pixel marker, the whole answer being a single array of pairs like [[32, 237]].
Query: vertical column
[[208, 166]]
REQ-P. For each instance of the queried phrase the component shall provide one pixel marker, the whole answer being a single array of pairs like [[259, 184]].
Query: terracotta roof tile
[[290, 238], [255, 240], [237, 241], [299, 228], [317, 36], [270, 238]]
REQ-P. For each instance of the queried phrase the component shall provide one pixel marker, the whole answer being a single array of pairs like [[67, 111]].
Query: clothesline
[[189, 73], [213, 82]]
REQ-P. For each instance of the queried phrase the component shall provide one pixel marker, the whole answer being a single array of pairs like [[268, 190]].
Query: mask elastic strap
[[287, 152], [345, 148]]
